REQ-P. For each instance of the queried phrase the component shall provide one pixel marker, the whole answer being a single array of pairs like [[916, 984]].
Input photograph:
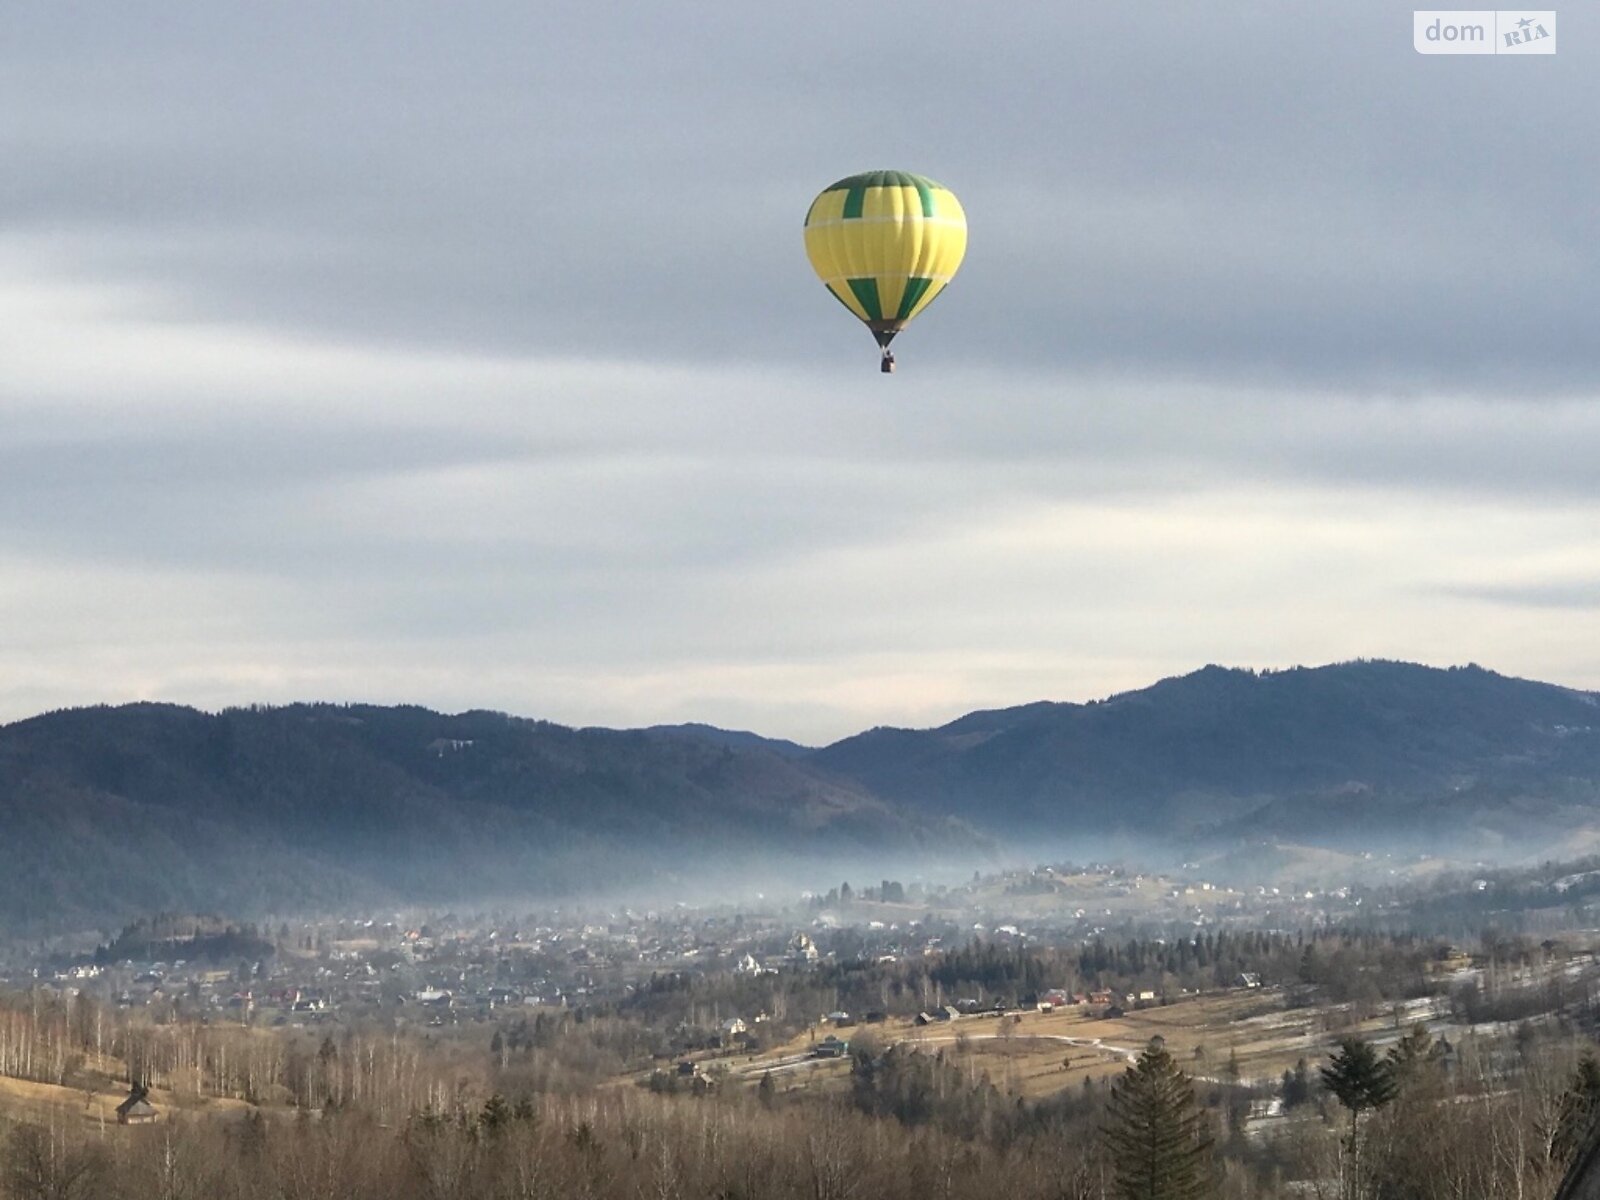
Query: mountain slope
[[1305, 749], [117, 811], [109, 813]]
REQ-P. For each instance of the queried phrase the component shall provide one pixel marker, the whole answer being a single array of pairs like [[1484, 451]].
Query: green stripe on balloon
[[915, 289], [866, 291]]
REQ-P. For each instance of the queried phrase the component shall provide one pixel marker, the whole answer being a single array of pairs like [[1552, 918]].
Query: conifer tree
[[495, 1115], [1580, 1104], [1157, 1138], [1297, 1085], [1409, 1057], [1231, 1072], [1361, 1080]]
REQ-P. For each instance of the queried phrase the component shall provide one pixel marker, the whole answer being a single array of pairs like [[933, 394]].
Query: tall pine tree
[[1580, 1104], [1361, 1080], [1157, 1137], [1412, 1058]]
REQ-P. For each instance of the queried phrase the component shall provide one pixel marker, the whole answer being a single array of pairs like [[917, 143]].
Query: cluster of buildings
[[449, 969]]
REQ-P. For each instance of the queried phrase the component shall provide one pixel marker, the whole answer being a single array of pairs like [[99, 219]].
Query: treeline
[[386, 1070], [1341, 964], [79, 1043], [168, 937], [617, 1145], [913, 1125], [1512, 993], [534, 1111], [1549, 899], [1336, 965], [539, 1107]]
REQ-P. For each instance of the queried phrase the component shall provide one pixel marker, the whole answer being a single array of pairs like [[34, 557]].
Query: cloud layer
[[469, 357]]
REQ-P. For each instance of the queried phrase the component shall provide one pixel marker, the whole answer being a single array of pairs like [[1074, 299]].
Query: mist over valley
[[1292, 775]]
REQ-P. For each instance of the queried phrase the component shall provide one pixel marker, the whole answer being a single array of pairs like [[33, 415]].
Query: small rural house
[[831, 1047], [137, 1109]]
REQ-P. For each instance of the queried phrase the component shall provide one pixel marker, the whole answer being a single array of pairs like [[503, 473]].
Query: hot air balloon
[[885, 243]]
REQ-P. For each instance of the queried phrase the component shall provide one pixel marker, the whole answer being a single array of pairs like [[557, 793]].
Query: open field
[[50, 1104], [1037, 1054]]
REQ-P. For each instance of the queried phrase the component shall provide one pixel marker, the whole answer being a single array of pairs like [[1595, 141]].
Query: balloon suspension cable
[[887, 366]]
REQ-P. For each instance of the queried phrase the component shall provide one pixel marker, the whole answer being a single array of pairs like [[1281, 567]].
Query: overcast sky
[[467, 355]]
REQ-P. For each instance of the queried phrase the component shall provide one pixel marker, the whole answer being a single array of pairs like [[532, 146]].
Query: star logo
[[1524, 23]]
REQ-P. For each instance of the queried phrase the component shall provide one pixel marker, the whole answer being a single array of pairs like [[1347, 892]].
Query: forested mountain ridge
[[109, 813], [118, 811], [1361, 750]]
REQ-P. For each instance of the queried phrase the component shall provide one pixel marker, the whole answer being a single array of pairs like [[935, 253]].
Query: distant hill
[[1364, 751], [112, 812]]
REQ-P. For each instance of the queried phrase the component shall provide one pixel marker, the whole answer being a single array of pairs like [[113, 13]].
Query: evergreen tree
[[1358, 1077], [1580, 1104], [1157, 1137], [1297, 1085], [1231, 1071], [1414, 1058], [1361, 1080], [496, 1113]]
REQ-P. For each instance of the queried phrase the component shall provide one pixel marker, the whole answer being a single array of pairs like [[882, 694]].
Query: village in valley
[[452, 968], [1045, 978], [991, 1004]]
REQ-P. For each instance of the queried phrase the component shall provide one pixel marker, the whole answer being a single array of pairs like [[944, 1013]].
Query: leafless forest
[[584, 1112]]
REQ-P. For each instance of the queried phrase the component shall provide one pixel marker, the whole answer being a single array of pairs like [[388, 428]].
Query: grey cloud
[[707, 475], [1552, 593], [1267, 194], [469, 355]]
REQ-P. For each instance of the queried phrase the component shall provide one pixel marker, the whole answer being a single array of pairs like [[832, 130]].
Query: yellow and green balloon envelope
[[885, 243]]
